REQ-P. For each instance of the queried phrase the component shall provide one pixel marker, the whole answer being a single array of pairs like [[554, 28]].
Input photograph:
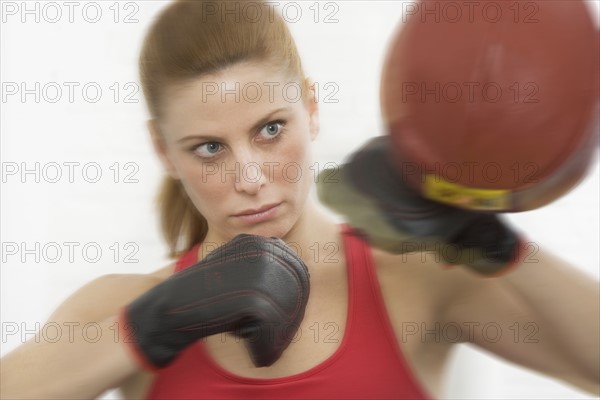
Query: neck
[[315, 235]]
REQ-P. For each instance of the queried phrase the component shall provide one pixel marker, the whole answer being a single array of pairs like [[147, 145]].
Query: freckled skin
[[230, 182]]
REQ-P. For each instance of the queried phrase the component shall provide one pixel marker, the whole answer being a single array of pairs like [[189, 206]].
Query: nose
[[250, 175]]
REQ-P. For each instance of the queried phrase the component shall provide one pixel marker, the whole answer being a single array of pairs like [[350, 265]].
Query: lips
[[257, 210]]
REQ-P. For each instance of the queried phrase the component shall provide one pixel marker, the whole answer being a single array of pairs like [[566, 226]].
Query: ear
[[313, 108], [160, 148]]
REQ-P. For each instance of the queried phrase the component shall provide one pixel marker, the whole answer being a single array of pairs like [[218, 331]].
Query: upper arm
[[542, 315], [57, 365], [495, 319], [103, 297]]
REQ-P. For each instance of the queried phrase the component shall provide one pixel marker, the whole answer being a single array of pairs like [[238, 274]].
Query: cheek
[[295, 159], [203, 185]]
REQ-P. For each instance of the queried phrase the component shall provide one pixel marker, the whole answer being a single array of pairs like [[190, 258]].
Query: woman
[[233, 118]]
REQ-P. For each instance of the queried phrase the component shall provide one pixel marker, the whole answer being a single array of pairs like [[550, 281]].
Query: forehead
[[232, 97]]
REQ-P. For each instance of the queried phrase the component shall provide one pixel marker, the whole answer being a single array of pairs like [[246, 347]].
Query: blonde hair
[[196, 37]]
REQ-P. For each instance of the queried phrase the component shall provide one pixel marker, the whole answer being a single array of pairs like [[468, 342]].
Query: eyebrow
[[254, 127]]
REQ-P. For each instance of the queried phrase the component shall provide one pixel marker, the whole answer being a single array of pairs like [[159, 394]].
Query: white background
[[347, 53]]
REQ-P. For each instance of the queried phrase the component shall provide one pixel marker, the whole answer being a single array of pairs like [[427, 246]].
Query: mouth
[[259, 214]]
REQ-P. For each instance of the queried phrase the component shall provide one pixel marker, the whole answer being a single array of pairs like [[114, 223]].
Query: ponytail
[[182, 225]]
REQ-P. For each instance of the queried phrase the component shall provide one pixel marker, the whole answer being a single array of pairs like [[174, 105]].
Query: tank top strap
[[359, 261], [367, 305], [189, 258], [356, 243]]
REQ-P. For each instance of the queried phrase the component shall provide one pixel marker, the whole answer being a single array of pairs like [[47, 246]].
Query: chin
[[277, 229], [270, 230]]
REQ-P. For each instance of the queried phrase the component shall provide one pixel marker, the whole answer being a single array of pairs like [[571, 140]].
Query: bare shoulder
[[420, 271], [438, 291], [105, 295]]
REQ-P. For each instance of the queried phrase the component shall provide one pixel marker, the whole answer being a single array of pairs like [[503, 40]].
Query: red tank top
[[367, 364]]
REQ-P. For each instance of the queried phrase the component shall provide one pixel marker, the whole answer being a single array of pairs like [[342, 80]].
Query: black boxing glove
[[253, 286], [374, 197]]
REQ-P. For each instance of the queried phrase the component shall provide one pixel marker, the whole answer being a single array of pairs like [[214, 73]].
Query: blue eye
[[208, 150], [272, 130]]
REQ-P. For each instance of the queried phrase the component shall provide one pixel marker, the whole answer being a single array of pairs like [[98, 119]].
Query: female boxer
[[235, 143]]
